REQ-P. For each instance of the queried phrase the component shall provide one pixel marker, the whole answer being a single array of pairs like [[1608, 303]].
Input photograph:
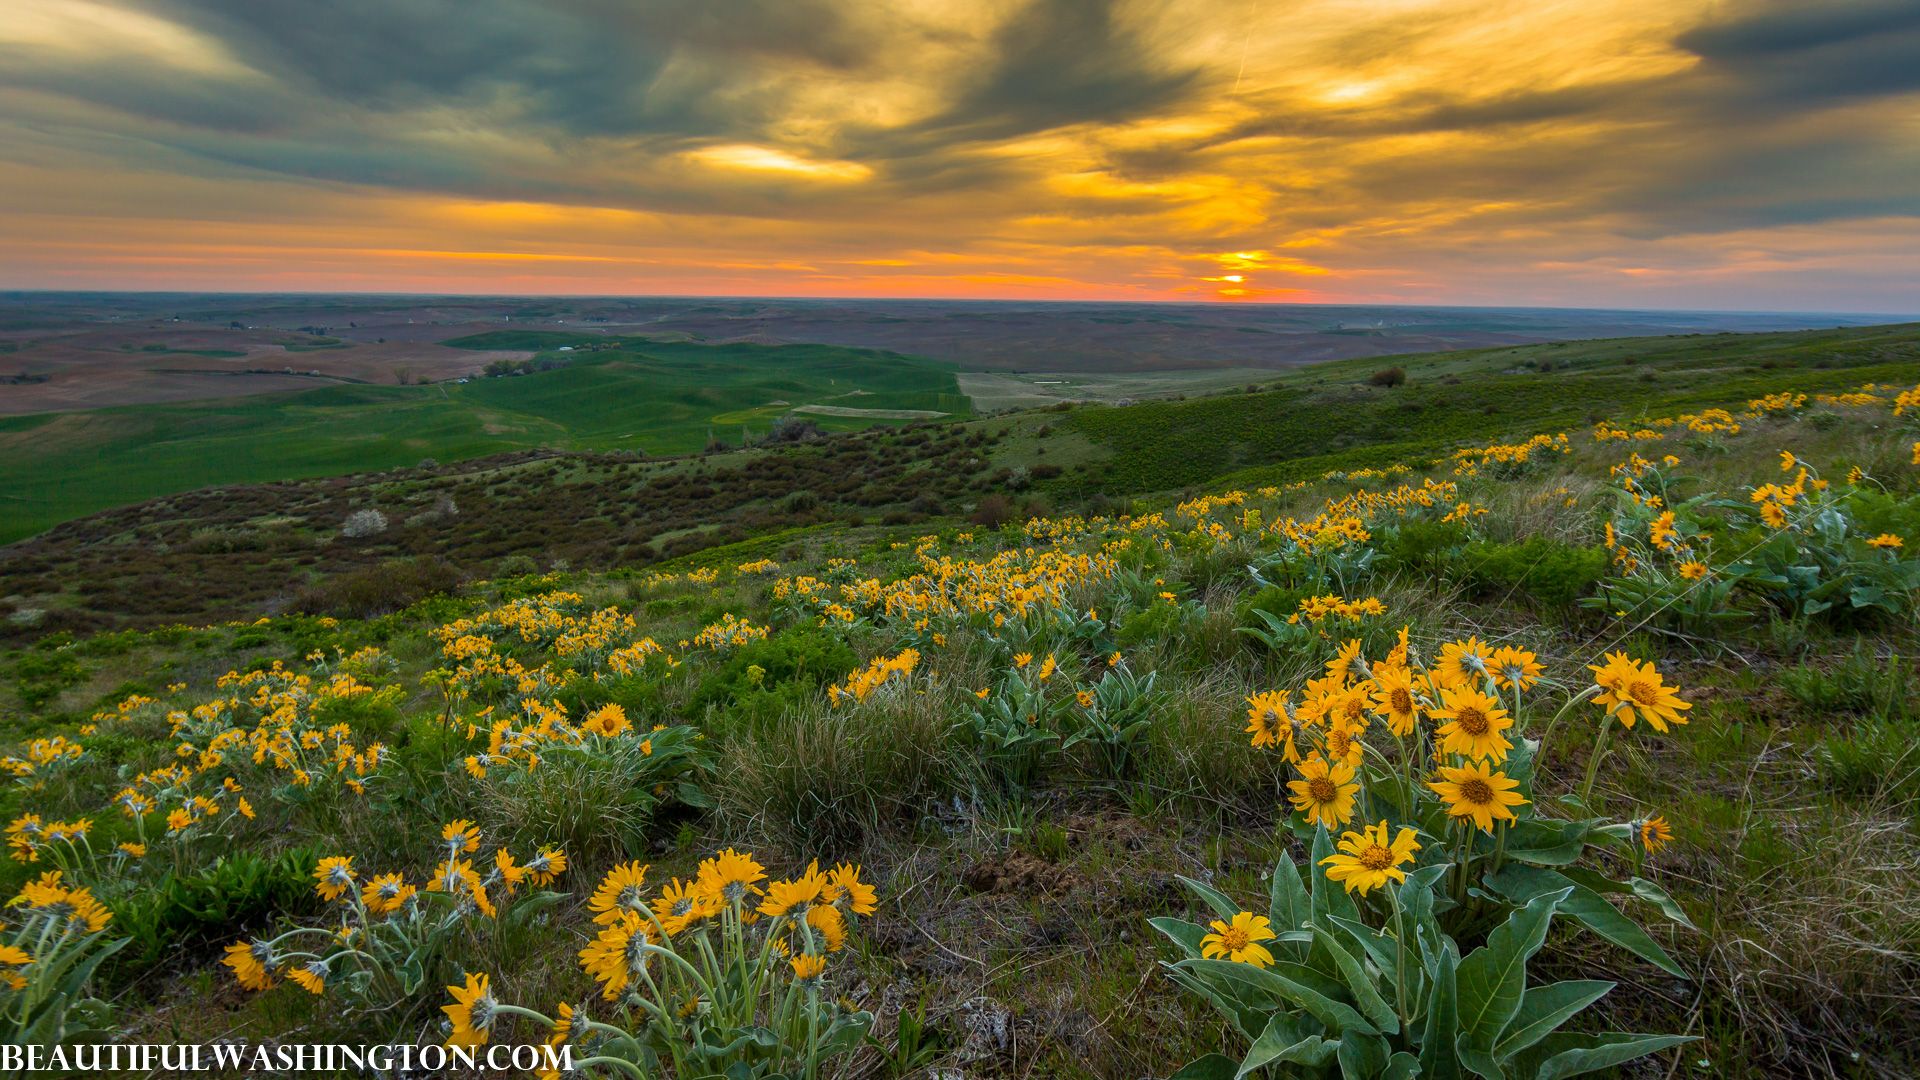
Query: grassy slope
[[1795, 822], [1326, 417], [667, 398], [1797, 875]]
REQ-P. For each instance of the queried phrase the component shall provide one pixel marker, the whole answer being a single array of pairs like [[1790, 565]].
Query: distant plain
[[110, 399]]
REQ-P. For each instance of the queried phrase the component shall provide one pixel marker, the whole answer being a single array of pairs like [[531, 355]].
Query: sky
[[1707, 154]]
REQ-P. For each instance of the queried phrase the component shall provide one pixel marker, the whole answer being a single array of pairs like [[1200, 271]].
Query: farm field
[[653, 399], [1338, 763], [990, 390]]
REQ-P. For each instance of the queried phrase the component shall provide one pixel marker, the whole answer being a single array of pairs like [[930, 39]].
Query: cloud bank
[[1601, 152]]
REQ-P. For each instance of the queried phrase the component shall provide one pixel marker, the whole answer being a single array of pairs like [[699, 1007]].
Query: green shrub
[[514, 566], [1553, 573], [1877, 759], [1878, 512], [804, 655], [1858, 684], [662, 608], [192, 913], [1274, 600], [370, 715], [1422, 546], [44, 676]]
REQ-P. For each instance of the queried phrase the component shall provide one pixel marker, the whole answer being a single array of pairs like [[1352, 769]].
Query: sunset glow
[[1650, 153]]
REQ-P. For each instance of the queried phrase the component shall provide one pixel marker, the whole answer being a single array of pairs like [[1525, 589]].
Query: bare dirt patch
[[1021, 873]]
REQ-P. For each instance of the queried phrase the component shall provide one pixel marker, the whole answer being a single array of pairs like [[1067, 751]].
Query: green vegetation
[[666, 399], [1027, 733], [1339, 416]]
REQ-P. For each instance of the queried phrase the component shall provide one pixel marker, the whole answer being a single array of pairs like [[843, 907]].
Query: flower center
[[1376, 858], [1339, 742], [1645, 693], [1354, 708], [1235, 939], [1400, 700], [1476, 791], [1323, 789], [1270, 718], [1471, 721]]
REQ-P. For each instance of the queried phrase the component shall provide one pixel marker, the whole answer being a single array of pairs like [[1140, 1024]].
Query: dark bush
[[790, 429], [379, 590], [1388, 377], [993, 512], [516, 566]]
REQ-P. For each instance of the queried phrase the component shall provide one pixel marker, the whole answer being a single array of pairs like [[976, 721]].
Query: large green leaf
[[1337, 1015], [1287, 1039], [1478, 1062], [1493, 978], [1565, 1054], [1363, 1057], [1248, 1021], [1438, 1059], [1210, 1067], [1402, 1066], [1545, 1008], [1289, 906], [1520, 884], [1360, 983], [1640, 888], [1329, 899], [1182, 933], [1217, 900], [1378, 946], [1659, 897], [1547, 843]]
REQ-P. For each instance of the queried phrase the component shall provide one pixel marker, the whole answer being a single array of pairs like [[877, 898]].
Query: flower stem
[[1399, 959], [1593, 764], [1564, 709]]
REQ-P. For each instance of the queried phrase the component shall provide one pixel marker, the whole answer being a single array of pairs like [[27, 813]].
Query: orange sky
[[1620, 153]]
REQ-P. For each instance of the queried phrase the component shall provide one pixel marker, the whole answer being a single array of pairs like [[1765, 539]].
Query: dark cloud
[[1803, 54], [587, 101], [1061, 62]]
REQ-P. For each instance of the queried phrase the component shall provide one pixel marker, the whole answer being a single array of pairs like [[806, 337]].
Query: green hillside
[[640, 396], [1329, 416]]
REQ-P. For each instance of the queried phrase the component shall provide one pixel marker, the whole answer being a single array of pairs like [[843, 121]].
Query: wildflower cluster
[[1508, 460], [391, 934], [730, 632], [710, 976], [882, 670]]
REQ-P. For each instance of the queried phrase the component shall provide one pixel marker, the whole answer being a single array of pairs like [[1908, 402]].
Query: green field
[[642, 396]]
